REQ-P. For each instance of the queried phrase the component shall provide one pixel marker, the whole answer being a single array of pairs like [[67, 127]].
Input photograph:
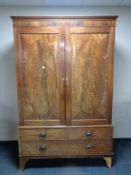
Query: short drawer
[[42, 133], [42, 148], [75, 133], [94, 147]]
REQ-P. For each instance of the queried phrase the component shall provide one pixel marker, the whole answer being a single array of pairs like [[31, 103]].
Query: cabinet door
[[89, 72], [39, 76]]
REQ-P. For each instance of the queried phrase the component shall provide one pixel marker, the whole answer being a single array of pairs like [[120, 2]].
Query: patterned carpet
[[121, 163]]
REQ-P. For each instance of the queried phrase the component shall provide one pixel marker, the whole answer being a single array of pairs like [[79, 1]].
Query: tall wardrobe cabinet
[[64, 80]]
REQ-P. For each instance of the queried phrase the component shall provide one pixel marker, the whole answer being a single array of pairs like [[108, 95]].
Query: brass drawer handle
[[43, 67], [88, 133], [42, 148], [42, 135], [88, 147]]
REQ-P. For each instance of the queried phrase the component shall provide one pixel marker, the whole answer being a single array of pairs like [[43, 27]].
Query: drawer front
[[50, 148], [75, 133], [95, 147], [42, 134], [43, 148]]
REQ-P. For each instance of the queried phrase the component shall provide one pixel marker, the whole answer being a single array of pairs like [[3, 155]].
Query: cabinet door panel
[[41, 85], [88, 73]]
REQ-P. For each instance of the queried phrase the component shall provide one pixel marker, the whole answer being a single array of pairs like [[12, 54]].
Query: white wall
[[122, 79]]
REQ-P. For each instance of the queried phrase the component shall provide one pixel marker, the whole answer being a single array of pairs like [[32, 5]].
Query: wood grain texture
[[88, 74], [44, 122], [89, 133], [41, 76], [64, 71], [51, 147], [48, 134], [67, 148], [89, 147], [20, 21], [63, 133]]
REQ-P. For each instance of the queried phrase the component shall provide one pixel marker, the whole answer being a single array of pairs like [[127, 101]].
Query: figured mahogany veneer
[[42, 134], [64, 82], [78, 133], [62, 133], [55, 147]]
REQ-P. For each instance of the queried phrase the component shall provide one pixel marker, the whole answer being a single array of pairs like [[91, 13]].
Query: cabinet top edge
[[66, 17]]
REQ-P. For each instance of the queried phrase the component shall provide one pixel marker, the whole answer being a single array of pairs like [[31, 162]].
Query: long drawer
[[82, 147], [66, 133], [76, 133], [42, 133]]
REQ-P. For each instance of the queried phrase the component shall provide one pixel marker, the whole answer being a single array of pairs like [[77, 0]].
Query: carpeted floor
[[121, 163]]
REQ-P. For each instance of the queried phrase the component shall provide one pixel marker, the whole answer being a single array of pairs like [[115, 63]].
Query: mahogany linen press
[[65, 82]]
